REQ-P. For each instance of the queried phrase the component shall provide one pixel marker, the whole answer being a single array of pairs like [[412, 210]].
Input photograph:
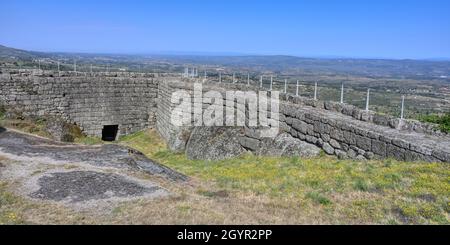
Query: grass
[[36, 127], [341, 191], [9, 207], [88, 140], [318, 198], [16, 210]]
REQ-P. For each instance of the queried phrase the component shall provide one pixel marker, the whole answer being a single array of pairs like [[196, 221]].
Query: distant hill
[[282, 64], [18, 54], [292, 64]]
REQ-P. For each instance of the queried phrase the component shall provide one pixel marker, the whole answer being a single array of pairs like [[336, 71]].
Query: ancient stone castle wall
[[335, 132], [90, 102], [163, 124], [137, 103]]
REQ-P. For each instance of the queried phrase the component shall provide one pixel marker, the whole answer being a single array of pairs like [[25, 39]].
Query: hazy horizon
[[228, 54], [326, 29]]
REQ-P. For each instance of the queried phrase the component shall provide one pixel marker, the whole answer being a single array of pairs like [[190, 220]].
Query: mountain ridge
[[286, 64]]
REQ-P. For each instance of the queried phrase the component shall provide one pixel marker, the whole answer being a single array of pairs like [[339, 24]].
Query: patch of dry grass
[[322, 189], [18, 210], [26, 125], [192, 209], [9, 207]]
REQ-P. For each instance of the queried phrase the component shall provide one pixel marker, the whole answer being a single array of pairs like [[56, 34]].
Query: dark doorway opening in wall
[[109, 132]]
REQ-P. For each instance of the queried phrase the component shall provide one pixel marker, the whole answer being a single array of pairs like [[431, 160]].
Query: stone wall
[[165, 128], [53, 73], [345, 134], [136, 103], [369, 116], [90, 102]]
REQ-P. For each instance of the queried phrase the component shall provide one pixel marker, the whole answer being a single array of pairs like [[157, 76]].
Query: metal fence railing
[[394, 103], [400, 105]]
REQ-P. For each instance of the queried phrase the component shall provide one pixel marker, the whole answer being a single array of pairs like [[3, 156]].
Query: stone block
[[250, 143], [395, 152], [363, 143], [379, 147], [328, 149], [335, 144]]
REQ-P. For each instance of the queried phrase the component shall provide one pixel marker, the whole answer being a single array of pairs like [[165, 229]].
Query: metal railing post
[[402, 115], [368, 99], [271, 83], [315, 91]]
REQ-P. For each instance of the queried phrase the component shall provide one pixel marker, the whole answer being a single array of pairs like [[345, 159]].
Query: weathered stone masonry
[[138, 103], [90, 102], [335, 132]]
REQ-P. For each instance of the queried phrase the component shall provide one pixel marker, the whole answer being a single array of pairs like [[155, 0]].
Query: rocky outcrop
[[62, 131], [218, 143], [177, 143], [214, 143], [104, 156], [288, 146]]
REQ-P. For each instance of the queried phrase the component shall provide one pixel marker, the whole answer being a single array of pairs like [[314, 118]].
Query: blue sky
[[364, 28]]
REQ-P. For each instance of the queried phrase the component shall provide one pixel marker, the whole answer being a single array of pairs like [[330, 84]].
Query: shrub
[[318, 198], [360, 185], [442, 121]]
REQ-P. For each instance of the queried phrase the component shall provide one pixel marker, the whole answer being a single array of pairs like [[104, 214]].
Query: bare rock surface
[[286, 145], [177, 143], [77, 186], [103, 156], [214, 143], [60, 130], [79, 176], [218, 143]]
